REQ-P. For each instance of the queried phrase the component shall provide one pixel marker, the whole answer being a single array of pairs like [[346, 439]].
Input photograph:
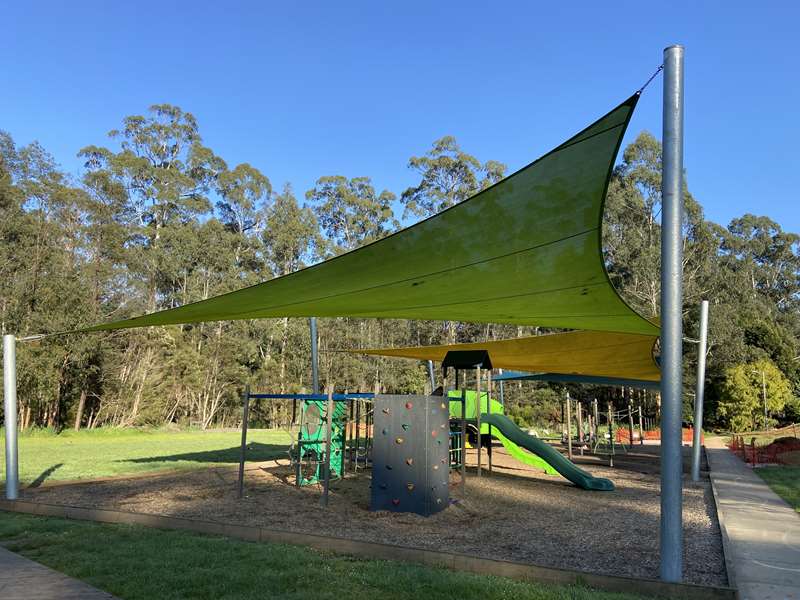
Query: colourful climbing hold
[[444, 405], [409, 405], [442, 425], [434, 433], [438, 501], [410, 487], [386, 411], [385, 431], [435, 467], [405, 426], [388, 467], [409, 461], [396, 501], [399, 440], [384, 486]]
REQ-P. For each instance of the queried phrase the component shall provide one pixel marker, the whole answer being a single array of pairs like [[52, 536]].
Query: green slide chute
[[553, 457], [521, 455], [523, 447]]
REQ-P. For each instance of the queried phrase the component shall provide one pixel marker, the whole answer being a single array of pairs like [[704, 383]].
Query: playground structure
[[527, 242], [411, 443]]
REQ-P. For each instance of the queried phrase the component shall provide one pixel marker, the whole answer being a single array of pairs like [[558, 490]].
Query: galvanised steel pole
[[671, 315], [10, 411], [312, 325], [432, 378], [699, 390]]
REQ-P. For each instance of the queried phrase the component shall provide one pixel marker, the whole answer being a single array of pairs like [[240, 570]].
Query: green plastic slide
[[523, 456], [550, 455]]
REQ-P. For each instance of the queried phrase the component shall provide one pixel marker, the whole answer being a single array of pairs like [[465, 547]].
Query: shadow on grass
[[255, 452], [44, 475]]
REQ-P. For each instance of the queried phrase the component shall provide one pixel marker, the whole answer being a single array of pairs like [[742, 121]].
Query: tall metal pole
[[671, 313], [489, 412], [699, 390], [243, 450], [478, 415], [10, 408], [764, 394], [432, 378], [312, 325]]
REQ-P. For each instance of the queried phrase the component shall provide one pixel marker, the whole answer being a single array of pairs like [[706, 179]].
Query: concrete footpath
[[23, 579], [760, 532]]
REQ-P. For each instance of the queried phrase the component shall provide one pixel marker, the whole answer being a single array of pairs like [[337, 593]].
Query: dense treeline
[[158, 220]]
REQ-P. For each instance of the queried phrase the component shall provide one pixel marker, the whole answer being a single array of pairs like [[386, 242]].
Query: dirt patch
[[517, 513]]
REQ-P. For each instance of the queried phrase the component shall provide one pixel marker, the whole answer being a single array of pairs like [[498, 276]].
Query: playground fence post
[[579, 415], [630, 423], [568, 411], [610, 436], [641, 430], [328, 442], [699, 391], [243, 450]]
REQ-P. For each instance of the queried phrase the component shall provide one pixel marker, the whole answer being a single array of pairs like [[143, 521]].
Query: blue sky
[[303, 90]]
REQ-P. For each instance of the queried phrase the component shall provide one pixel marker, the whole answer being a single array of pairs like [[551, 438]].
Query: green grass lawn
[[136, 562], [784, 481], [44, 455]]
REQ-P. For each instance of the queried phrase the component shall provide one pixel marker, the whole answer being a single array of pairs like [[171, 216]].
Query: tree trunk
[[79, 413]]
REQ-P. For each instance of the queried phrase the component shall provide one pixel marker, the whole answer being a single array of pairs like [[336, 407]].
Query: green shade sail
[[600, 354], [525, 251]]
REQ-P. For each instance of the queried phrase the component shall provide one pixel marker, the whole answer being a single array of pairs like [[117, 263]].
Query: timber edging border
[[378, 551]]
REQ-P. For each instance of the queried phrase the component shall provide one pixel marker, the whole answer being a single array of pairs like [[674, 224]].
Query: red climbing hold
[[409, 405], [396, 501], [434, 433]]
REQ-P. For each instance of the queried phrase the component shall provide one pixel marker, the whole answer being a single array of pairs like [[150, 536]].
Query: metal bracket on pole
[[10, 411], [671, 540], [699, 391]]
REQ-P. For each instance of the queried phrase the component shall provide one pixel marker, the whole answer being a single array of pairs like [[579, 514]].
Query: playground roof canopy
[[525, 251], [596, 354], [587, 379]]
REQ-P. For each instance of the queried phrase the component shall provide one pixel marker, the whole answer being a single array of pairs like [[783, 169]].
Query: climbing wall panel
[[410, 468]]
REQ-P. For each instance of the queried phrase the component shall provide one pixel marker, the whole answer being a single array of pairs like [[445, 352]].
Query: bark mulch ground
[[517, 513]]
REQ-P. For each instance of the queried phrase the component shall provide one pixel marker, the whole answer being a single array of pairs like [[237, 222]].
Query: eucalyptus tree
[[448, 176], [350, 212]]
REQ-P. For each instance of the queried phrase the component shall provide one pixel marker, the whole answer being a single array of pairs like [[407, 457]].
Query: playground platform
[[24, 579], [760, 532]]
